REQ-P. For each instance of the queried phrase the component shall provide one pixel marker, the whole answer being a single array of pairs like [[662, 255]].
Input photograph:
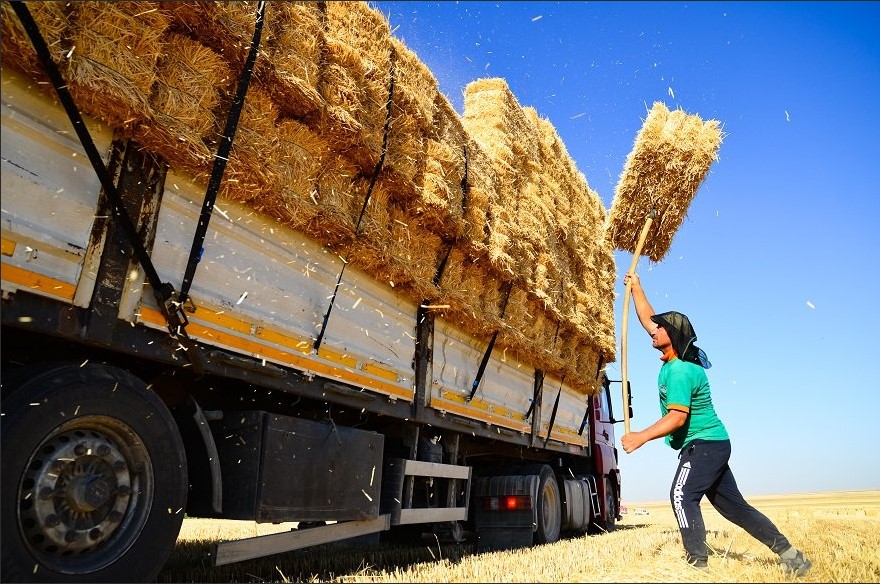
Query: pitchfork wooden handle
[[632, 270]]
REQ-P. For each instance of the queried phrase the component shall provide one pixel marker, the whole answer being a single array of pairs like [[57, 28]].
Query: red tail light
[[507, 503]]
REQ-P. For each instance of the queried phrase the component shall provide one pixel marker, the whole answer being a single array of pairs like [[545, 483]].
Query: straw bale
[[478, 195], [414, 84], [415, 254], [226, 27], [362, 28], [354, 111], [670, 158], [406, 156], [439, 206], [52, 20], [256, 138], [113, 62], [354, 79], [190, 80], [527, 328], [297, 162], [336, 196], [453, 285], [518, 217], [293, 45], [494, 117]]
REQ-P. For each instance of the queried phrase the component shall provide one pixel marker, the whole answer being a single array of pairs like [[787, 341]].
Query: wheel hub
[[75, 493]]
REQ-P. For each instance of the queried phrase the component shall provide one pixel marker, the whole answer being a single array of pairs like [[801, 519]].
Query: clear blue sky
[[777, 261]]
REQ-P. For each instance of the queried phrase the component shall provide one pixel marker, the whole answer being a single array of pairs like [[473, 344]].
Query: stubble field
[[839, 532]]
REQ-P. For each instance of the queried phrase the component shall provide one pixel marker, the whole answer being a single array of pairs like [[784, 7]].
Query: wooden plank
[[256, 547], [410, 516], [436, 470]]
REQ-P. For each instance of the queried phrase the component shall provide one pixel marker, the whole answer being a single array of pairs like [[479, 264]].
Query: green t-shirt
[[685, 387]]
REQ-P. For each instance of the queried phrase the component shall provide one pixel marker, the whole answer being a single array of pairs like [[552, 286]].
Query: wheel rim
[[85, 494], [550, 509]]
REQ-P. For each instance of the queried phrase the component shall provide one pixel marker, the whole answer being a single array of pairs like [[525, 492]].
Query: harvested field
[[838, 531]]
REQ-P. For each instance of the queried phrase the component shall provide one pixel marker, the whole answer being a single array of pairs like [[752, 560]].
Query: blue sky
[[776, 262]]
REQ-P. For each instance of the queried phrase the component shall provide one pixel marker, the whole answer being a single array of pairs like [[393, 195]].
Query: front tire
[[94, 475]]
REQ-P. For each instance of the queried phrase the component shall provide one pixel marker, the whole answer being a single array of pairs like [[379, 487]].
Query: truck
[[126, 409]]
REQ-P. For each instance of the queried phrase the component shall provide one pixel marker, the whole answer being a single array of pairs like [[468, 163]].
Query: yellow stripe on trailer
[[252, 347], [27, 279]]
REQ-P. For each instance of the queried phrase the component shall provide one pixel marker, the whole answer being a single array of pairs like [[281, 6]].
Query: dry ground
[[840, 533]]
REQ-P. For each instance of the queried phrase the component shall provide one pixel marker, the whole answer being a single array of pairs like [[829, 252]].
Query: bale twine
[[670, 158], [115, 48]]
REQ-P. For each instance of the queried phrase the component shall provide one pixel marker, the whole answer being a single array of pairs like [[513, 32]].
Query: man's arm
[[668, 424], [643, 307]]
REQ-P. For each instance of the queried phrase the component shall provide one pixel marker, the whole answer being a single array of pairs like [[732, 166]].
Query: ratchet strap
[[553, 416], [162, 291], [221, 158], [376, 169], [485, 360]]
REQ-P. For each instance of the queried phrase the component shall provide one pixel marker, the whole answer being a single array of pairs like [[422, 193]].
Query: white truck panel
[[569, 413], [505, 391], [50, 194], [272, 286]]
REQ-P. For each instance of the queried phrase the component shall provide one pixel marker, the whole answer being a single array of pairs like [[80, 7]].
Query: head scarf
[[682, 336]]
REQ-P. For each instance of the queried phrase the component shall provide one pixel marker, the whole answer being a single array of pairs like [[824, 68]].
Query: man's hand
[[632, 441]]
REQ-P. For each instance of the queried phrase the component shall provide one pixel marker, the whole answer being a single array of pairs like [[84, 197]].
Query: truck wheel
[[549, 504], [610, 523], [94, 476]]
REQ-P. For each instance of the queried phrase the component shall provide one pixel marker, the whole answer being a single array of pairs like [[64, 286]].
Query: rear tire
[[549, 507], [94, 475]]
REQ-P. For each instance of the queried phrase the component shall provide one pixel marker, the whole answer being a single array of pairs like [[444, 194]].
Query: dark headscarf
[[682, 336]]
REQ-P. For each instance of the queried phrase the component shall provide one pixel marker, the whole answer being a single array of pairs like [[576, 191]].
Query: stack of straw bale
[[492, 194]]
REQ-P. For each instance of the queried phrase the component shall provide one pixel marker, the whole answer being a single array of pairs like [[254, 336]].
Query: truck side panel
[[50, 197], [262, 289]]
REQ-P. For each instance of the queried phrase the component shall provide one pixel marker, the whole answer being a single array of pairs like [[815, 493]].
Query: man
[[690, 425]]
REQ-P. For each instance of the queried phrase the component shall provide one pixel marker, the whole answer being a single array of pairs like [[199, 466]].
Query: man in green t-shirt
[[690, 425]]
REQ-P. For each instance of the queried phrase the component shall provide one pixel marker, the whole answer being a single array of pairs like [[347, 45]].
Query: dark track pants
[[703, 470]]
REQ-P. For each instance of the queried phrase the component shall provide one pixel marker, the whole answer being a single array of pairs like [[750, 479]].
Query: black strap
[[120, 214], [222, 157], [553, 416], [586, 417], [536, 392], [485, 360], [442, 267], [163, 292], [465, 181], [376, 169]]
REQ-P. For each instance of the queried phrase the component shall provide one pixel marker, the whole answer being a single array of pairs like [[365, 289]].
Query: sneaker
[[797, 565], [699, 564]]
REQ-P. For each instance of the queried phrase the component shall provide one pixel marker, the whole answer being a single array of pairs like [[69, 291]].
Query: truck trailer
[[288, 386]]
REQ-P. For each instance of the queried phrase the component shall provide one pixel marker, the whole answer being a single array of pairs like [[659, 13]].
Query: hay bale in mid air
[[669, 160]]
